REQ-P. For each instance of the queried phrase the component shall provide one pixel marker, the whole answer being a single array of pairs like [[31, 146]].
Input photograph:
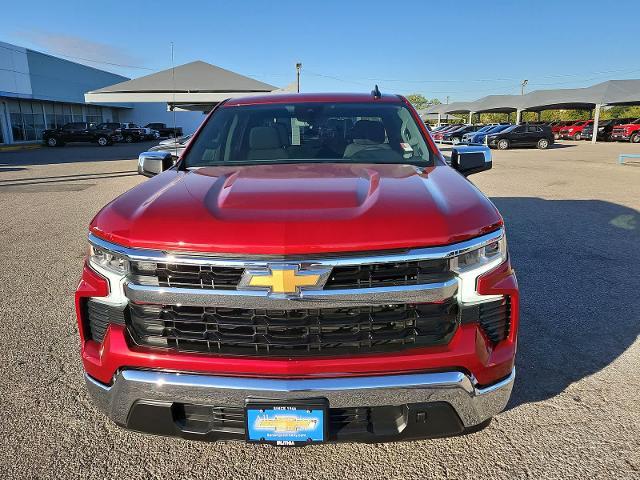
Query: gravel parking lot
[[574, 234]]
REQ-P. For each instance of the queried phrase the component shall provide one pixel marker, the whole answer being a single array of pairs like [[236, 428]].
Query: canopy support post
[[596, 120], [518, 117], [439, 118], [470, 118]]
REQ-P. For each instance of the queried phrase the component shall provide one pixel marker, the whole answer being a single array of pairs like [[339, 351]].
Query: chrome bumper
[[473, 405]]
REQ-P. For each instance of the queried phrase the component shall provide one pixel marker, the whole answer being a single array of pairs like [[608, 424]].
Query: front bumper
[[620, 137], [389, 407]]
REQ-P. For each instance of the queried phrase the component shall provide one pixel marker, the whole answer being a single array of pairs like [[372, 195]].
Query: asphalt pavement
[[573, 230]]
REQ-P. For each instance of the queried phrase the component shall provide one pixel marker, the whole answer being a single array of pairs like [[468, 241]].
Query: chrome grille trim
[[426, 293], [331, 259]]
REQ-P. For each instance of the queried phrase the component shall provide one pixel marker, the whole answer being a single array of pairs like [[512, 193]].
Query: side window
[[518, 129]]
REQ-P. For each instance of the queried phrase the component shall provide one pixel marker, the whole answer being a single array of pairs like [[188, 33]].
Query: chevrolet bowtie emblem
[[285, 423], [284, 279]]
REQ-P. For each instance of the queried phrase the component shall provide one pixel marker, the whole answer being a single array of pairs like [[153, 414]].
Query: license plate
[[286, 424]]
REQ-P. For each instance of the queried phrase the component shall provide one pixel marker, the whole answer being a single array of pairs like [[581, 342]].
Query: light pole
[[298, 68], [522, 85]]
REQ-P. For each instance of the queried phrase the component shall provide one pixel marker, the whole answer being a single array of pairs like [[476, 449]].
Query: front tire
[[52, 142], [128, 138], [503, 144], [577, 136], [543, 144], [103, 141], [556, 136], [635, 138]]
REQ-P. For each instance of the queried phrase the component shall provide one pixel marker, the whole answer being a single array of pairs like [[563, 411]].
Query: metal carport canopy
[[192, 83], [497, 104]]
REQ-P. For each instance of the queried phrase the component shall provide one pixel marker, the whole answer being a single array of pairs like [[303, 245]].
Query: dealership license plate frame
[[300, 410]]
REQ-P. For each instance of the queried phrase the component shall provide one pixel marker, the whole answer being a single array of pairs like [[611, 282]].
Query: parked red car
[[310, 270], [574, 130], [440, 133], [557, 126], [628, 132]]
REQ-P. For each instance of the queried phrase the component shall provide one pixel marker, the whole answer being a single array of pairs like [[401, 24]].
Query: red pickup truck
[[628, 132], [310, 270]]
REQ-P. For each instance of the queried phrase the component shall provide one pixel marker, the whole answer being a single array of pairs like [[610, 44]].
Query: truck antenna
[[376, 92]]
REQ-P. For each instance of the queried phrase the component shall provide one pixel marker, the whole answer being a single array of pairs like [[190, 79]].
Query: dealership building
[[40, 91]]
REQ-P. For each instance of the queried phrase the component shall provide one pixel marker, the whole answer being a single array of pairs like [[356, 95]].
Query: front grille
[[325, 331], [186, 276], [353, 276], [388, 274]]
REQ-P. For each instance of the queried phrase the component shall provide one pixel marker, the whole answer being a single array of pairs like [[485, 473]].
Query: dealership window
[[66, 111], [94, 114], [27, 120], [15, 116], [76, 113], [57, 109]]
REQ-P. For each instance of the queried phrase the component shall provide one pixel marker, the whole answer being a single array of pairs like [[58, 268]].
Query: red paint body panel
[[298, 209], [469, 350]]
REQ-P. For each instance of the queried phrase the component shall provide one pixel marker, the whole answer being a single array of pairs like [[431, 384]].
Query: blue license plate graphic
[[285, 425]]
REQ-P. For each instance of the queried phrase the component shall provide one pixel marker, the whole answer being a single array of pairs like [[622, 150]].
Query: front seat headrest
[[368, 130], [264, 138]]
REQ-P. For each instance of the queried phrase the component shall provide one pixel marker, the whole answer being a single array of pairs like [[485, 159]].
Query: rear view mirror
[[471, 159], [153, 163]]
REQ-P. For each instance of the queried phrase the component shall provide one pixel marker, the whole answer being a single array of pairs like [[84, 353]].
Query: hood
[[298, 209]]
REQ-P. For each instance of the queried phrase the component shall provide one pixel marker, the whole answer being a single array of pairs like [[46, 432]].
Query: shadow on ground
[[578, 268]]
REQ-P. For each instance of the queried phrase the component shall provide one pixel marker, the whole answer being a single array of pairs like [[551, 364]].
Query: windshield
[[498, 128], [312, 132], [510, 128]]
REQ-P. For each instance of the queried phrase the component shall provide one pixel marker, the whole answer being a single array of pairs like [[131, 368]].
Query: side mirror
[[471, 159], [153, 163]]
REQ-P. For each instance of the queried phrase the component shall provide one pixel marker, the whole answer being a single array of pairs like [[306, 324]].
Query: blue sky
[[462, 49]]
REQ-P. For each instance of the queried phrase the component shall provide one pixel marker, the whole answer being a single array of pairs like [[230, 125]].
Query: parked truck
[[164, 130], [312, 269], [627, 132]]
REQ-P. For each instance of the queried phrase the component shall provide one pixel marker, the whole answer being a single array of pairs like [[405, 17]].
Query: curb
[[13, 148]]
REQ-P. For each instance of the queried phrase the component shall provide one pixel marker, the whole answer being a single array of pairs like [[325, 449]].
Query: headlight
[[108, 260], [470, 265]]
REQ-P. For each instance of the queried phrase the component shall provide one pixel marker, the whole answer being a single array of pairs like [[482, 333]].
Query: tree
[[419, 101]]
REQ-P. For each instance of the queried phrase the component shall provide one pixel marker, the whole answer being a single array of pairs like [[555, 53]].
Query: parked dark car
[[455, 136], [605, 129], [131, 132], [523, 135], [164, 130], [480, 135], [80, 132]]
